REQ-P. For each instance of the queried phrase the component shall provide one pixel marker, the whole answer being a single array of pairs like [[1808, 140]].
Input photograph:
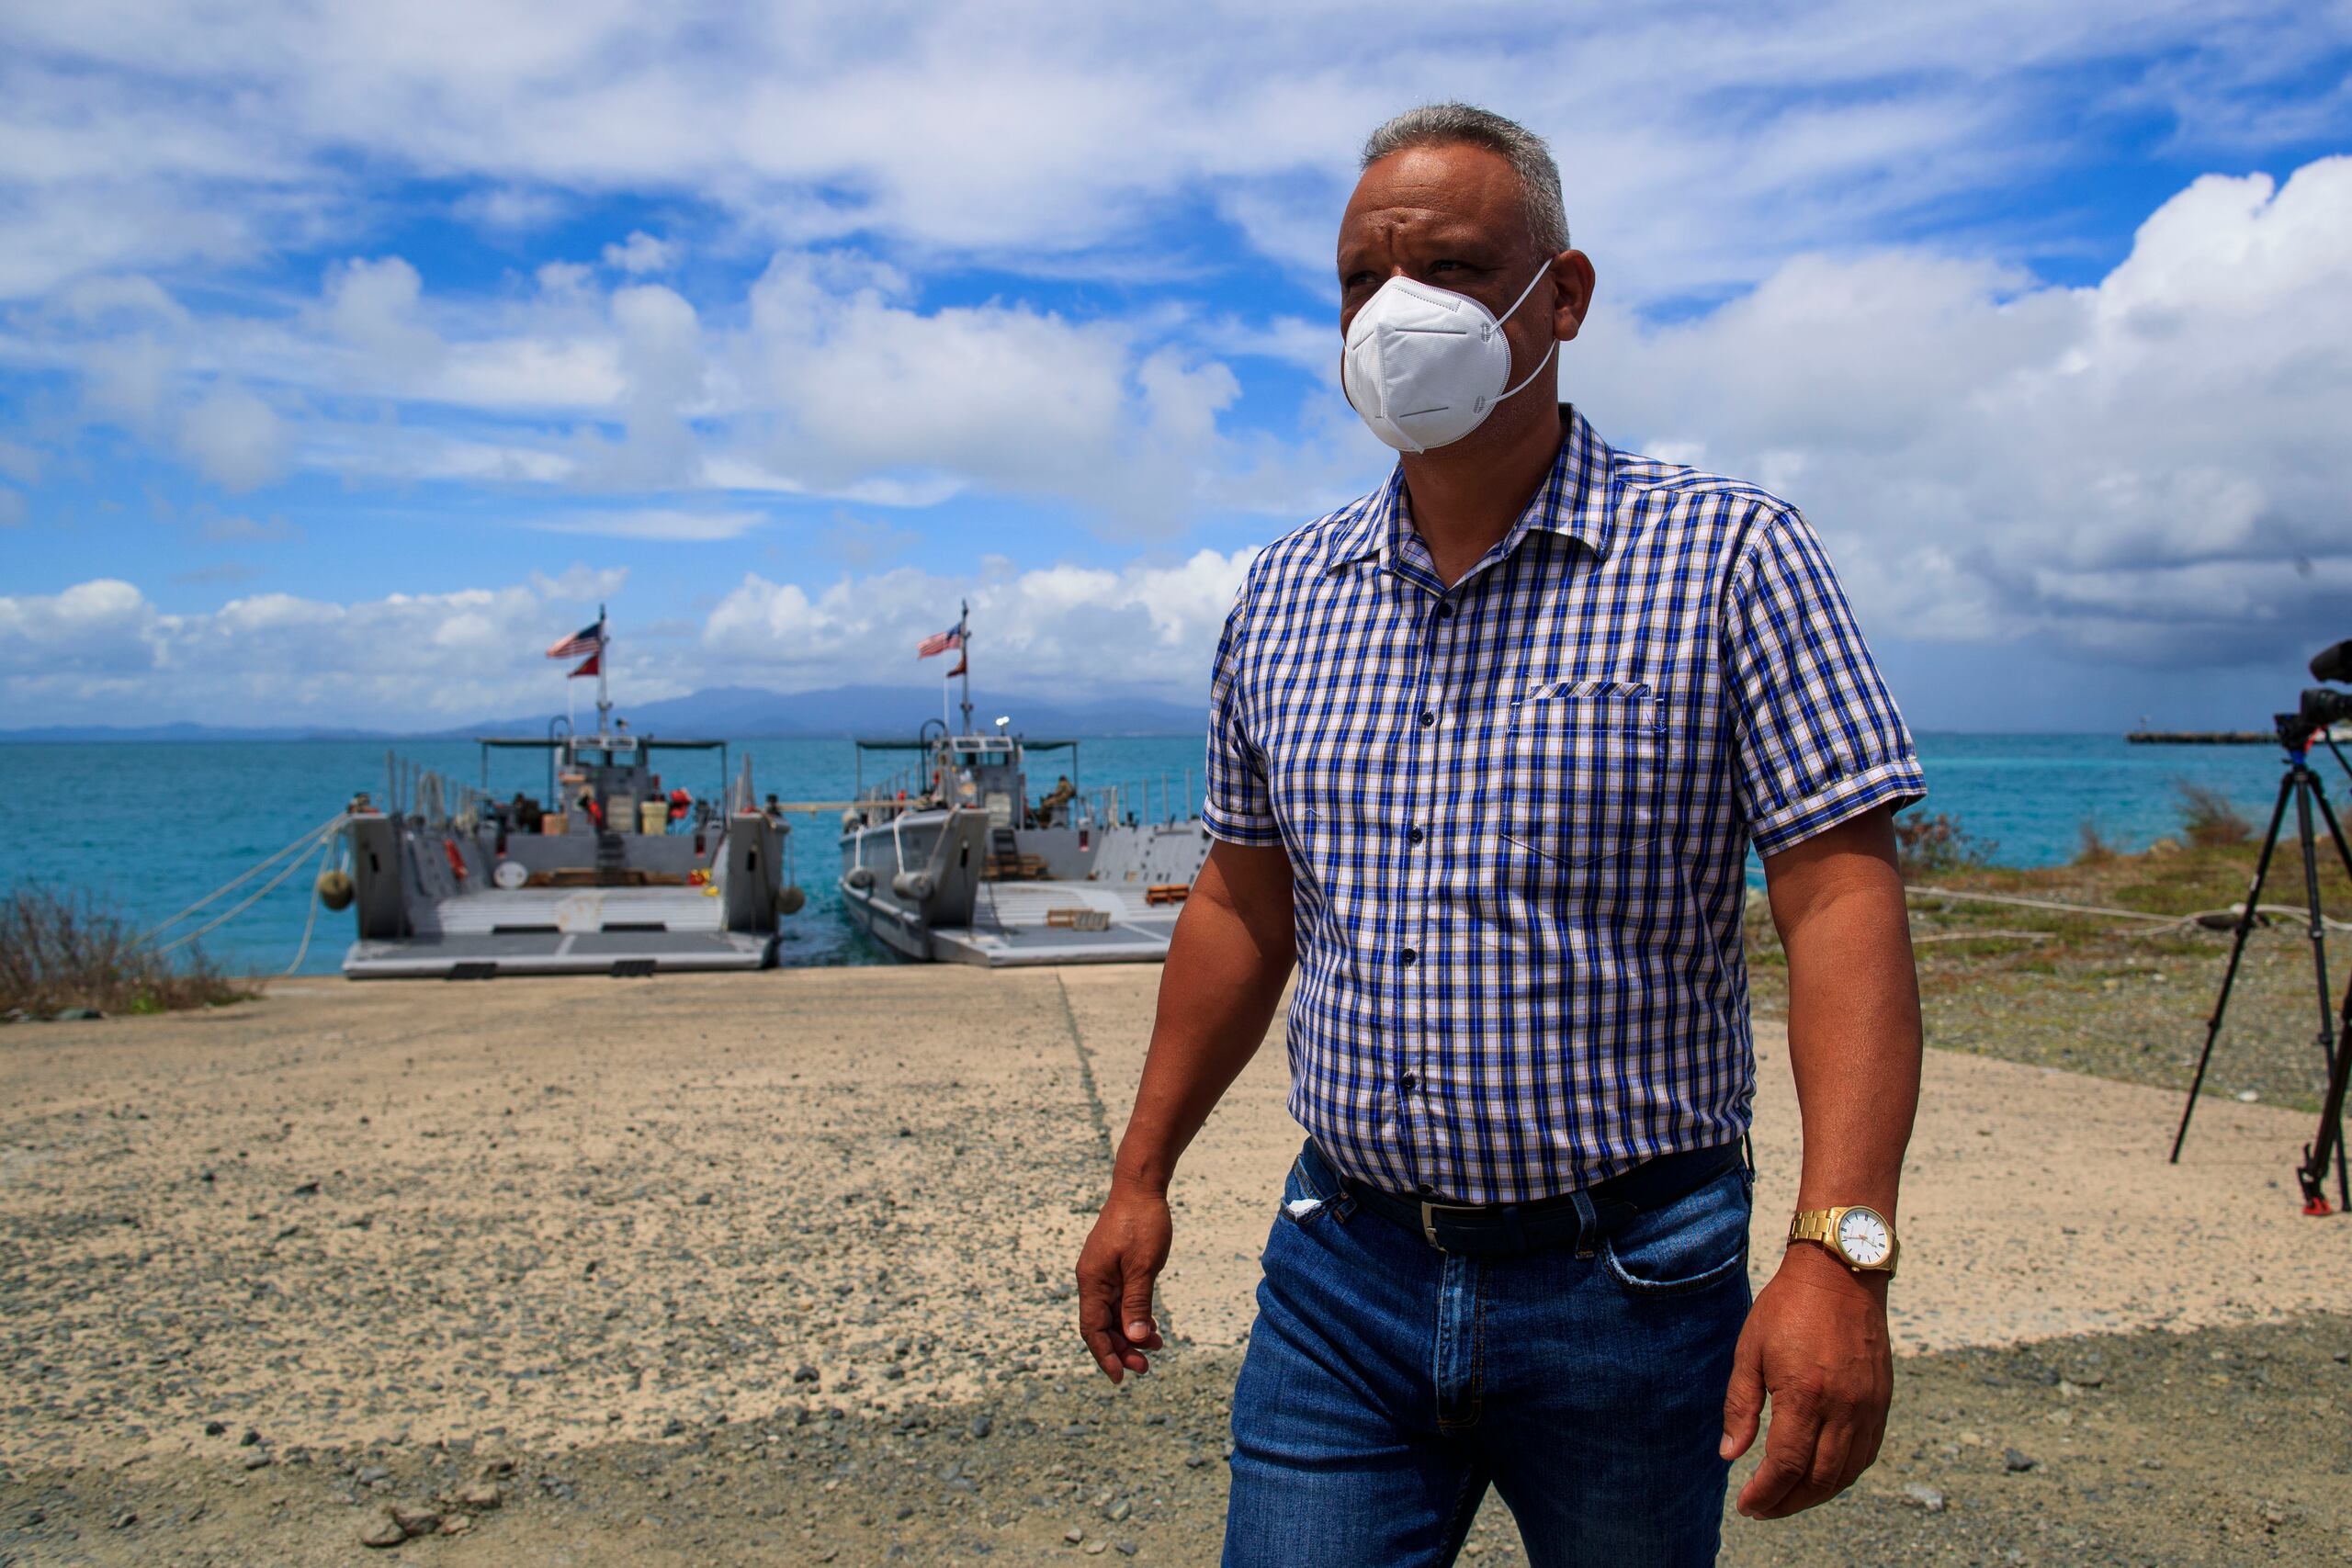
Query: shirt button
[[1407, 1080], [1407, 956], [1415, 836], [1426, 1189], [1427, 718], [1444, 611]]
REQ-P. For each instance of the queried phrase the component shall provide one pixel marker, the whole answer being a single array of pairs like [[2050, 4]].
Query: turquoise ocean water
[[153, 827]]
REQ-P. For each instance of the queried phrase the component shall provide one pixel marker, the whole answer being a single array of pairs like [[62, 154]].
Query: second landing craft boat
[[949, 861]]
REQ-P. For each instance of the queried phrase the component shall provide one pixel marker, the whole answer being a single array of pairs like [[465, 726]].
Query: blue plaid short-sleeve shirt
[[1518, 811]]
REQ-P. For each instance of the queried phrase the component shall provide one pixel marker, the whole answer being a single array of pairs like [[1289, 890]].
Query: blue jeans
[[1388, 1384]]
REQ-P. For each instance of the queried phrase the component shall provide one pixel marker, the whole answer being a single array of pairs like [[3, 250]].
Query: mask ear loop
[[1537, 371], [1523, 293], [1482, 405]]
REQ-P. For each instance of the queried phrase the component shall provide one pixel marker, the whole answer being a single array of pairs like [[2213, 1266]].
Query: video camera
[[2320, 707]]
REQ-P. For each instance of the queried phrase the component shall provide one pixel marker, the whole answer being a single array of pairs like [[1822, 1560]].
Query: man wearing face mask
[[1489, 750]]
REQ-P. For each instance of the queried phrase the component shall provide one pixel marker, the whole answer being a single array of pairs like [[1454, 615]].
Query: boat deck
[[552, 930], [1013, 925]]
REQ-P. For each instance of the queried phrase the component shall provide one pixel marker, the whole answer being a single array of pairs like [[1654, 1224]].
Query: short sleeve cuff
[[1897, 782], [1256, 830]]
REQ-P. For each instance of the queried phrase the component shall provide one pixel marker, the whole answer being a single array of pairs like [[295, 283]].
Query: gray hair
[[1454, 125]]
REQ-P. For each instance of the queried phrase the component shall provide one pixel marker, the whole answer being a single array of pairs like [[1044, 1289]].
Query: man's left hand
[[1816, 1341]]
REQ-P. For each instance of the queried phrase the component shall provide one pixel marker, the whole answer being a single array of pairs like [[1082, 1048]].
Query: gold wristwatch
[[1858, 1235]]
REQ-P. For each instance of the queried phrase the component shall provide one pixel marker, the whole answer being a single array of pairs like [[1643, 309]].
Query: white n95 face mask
[[1425, 366]]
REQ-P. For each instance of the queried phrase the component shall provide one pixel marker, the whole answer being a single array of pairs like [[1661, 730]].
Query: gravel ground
[[753, 1269], [2221, 1446]]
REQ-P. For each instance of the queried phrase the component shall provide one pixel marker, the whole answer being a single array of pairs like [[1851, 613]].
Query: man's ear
[[1572, 277]]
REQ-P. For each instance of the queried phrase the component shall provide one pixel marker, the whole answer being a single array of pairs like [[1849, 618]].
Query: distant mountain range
[[731, 712]]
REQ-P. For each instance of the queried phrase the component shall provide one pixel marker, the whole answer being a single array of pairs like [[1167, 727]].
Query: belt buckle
[[1429, 1221]]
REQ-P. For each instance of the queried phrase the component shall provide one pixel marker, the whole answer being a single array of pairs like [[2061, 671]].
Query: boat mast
[[604, 664], [964, 633]]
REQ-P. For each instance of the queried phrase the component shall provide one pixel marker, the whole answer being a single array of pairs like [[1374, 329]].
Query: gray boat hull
[[919, 886], [429, 907]]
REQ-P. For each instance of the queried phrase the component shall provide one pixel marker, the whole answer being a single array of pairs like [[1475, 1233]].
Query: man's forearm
[[1853, 1015], [1227, 962]]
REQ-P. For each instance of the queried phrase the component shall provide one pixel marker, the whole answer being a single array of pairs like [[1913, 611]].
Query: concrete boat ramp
[[1015, 924], [561, 931]]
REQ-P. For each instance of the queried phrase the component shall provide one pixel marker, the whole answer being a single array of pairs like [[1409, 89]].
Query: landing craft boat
[[949, 861], [608, 875]]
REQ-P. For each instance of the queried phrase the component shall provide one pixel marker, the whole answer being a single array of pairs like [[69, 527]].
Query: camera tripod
[[2302, 786]]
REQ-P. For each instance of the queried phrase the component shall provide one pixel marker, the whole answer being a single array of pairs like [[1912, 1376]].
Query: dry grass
[[2209, 818], [1932, 846], [58, 953], [2091, 847]]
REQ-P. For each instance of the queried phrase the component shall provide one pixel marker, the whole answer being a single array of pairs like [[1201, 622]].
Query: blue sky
[[349, 355]]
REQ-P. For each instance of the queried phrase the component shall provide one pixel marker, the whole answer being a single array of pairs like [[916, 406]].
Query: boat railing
[[1141, 801], [416, 792], [1162, 801]]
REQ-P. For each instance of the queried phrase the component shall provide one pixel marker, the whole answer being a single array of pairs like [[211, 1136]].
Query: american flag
[[941, 642], [587, 639]]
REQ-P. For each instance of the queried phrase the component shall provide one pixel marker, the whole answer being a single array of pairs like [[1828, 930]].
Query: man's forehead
[[1441, 193], [1382, 226]]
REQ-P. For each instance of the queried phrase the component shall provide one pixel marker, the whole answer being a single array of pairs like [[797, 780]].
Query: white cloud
[[1005, 397], [642, 253], [2151, 468], [508, 212], [580, 584], [1705, 141], [1148, 625], [477, 651], [372, 306], [654, 523], [233, 438], [101, 628], [824, 378], [403, 659]]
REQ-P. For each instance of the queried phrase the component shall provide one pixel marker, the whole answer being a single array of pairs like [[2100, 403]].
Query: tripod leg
[[2306, 785], [2237, 952], [2313, 1173]]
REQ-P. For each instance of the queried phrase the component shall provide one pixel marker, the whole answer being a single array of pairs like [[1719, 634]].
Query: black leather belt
[[1577, 1219]]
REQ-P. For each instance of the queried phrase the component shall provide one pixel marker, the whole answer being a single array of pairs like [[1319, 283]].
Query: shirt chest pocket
[[1584, 773]]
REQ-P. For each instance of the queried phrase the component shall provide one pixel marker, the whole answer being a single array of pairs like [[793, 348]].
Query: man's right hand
[[1115, 1272]]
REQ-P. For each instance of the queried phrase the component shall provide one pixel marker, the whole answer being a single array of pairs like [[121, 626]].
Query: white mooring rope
[[2329, 920], [324, 831]]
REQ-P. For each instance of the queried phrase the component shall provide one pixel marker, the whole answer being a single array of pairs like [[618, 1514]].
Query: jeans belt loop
[[1587, 1225]]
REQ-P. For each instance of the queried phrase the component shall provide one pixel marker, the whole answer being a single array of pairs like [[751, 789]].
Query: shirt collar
[[1573, 501]]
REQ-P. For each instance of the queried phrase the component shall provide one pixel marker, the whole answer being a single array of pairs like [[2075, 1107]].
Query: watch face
[[1863, 1238]]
